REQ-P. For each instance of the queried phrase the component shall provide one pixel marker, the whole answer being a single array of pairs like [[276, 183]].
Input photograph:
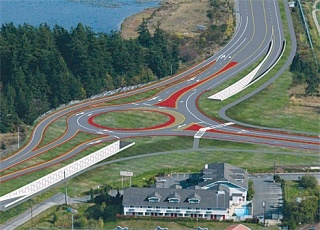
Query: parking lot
[[268, 199]]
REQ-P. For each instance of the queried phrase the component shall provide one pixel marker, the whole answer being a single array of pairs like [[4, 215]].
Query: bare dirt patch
[[8, 143], [302, 104], [181, 17]]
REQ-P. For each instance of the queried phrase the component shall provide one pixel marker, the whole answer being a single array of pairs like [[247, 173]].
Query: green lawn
[[78, 139], [188, 161], [271, 107], [55, 130], [45, 222], [131, 119], [16, 183]]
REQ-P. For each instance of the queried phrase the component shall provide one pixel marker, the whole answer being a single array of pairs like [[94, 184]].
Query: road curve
[[259, 23]]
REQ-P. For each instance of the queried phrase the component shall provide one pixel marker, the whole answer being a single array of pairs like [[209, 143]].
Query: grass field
[[147, 167], [54, 130], [273, 102], [131, 119], [184, 162], [78, 139], [45, 222], [16, 183], [272, 106]]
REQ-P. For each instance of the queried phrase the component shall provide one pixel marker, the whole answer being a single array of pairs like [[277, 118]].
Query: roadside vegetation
[[185, 162], [179, 162], [276, 101], [55, 66], [16, 183], [302, 199], [305, 66]]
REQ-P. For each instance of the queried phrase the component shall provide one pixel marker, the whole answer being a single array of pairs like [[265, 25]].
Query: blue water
[[100, 15], [241, 211]]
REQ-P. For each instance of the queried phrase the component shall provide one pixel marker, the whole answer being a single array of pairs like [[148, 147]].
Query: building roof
[[208, 199], [224, 172], [174, 195], [238, 227]]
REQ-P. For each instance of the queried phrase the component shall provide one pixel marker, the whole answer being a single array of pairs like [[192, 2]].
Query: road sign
[[74, 211], [125, 173]]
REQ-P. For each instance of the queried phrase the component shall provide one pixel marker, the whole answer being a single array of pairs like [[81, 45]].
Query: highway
[[258, 26]]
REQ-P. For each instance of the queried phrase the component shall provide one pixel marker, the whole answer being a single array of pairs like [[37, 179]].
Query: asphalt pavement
[[259, 23]]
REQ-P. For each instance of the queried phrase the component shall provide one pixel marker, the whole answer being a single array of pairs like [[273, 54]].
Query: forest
[[43, 67]]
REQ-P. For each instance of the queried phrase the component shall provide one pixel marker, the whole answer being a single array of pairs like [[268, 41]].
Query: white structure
[[176, 203], [242, 83], [61, 174], [221, 195]]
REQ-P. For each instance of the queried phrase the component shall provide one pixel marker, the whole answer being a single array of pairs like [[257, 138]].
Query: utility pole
[[31, 214], [65, 188]]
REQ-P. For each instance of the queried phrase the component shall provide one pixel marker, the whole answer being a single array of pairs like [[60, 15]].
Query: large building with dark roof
[[220, 194], [223, 176]]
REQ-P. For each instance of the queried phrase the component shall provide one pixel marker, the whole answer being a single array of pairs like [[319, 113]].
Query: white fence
[[61, 174]]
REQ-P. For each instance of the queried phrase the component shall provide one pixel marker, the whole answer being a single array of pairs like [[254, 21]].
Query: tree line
[[304, 66], [43, 67], [305, 210]]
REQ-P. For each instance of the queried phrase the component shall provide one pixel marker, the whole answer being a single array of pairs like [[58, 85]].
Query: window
[[154, 199], [194, 201], [174, 200]]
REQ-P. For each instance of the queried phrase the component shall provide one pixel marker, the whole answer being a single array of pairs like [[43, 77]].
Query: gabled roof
[[224, 172], [139, 197], [238, 227], [154, 194], [194, 196], [174, 195]]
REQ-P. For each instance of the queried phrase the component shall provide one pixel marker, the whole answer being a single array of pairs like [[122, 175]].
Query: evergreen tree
[[144, 37]]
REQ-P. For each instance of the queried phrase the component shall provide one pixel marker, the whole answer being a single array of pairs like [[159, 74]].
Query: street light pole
[[274, 172], [264, 213], [73, 211], [72, 221], [18, 137]]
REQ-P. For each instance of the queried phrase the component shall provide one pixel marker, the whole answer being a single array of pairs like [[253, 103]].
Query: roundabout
[[175, 111], [132, 120]]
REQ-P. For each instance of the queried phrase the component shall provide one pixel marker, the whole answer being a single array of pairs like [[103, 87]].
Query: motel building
[[214, 198]]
